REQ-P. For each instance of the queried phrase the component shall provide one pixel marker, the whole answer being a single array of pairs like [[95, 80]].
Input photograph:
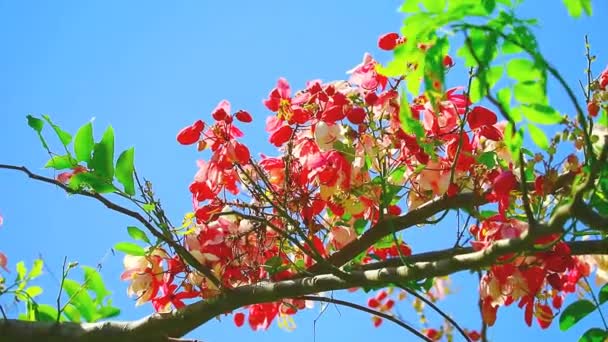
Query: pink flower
[[365, 75], [341, 236]]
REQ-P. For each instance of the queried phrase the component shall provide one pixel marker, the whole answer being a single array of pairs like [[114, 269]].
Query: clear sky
[[150, 68]]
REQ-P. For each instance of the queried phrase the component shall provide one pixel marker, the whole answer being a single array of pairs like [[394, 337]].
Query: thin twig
[[437, 309], [368, 310], [181, 250]]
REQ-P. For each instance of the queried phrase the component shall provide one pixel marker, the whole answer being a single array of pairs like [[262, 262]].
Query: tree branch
[[181, 250], [157, 327]]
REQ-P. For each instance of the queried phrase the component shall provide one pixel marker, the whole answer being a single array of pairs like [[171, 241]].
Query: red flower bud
[[356, 115], [239, 319], [388, 41], [593, 108], [243, 116], [448, 62], [190, 135]]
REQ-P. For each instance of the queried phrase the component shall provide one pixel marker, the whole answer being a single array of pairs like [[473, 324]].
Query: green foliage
[[84, 143], [594, 335], [103, 155], [81, 305], [37, 125], [603, 294], [125, 170], [61, 162], [99, 157], [541, 114], [130, 248], [574, 313], [576, 7], [138, 234], [64, 137], [538, 136]]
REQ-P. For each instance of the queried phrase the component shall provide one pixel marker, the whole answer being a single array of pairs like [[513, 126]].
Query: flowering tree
[[358, 162]]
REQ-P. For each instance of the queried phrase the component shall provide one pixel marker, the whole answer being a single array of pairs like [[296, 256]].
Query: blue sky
[[150, 68]]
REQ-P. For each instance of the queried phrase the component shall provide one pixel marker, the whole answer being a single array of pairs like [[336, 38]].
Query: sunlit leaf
[[64, 137], [538, 136], [434, 6], [37, 125], [137, 234], [521, 69], [72, 313], [21, 270], [125, 169], [576, 7], [594, 335], [107, 312], [130, 248], [36, 269], [95, 182], [84, 143], [34, 291], [603, 294], [103, 155], [574, 313], [541, 114], [80, 298], [47, 313], [61, 162], [94, 282]]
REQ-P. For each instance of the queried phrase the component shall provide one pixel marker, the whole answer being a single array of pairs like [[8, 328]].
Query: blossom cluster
[[345, 162]]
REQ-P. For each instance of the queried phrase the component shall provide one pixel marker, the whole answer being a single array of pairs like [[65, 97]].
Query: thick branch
[[158, 327], [415, 217]]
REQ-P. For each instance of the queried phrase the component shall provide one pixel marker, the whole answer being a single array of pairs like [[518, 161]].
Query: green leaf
[[148, 207], [80, 298], [538, 136], [574, 313], [603, 294], [21, 270], [61, 162], [521, 69], [576, 7], [594, 335], [125, 169], [508, 47], [47, 313], [37, 125], [541, 114], [103, 155], [95, 182], [410, 6], [64, 137], [34, 291], [488, 159], [530, 92], [72, 313], [36, 269], [93, 281], [434, 6], [513, 140], [107, 312], [84, 143], [138, 234], [360, 225], [489, 5], [130, 248], [408, 123]]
